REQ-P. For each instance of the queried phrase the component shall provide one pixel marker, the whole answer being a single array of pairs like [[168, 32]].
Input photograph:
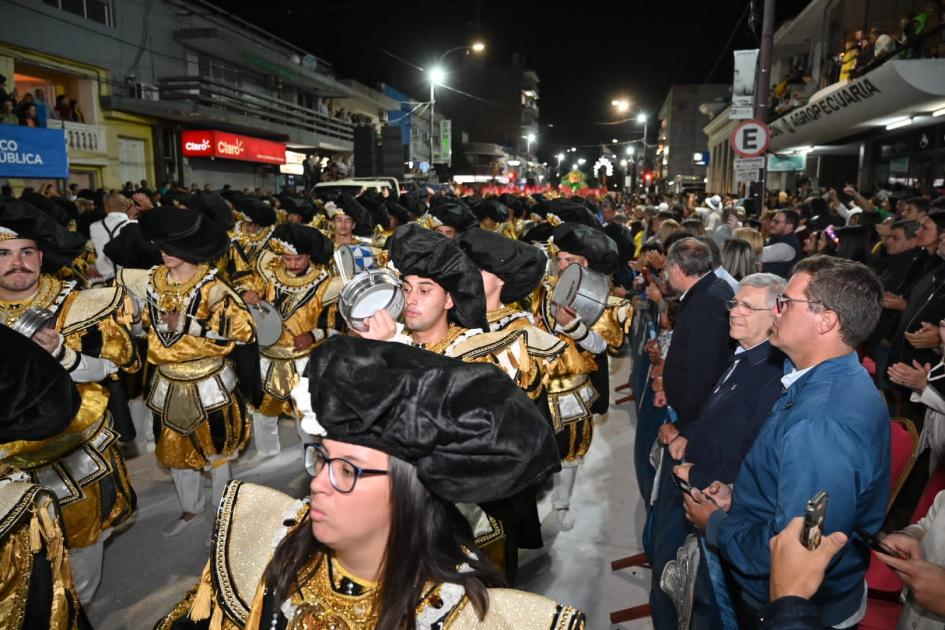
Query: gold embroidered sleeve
[[614, 324], [225, 313]]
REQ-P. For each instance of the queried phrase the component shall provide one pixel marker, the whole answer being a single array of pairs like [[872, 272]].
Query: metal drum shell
[[32, 320], [584, 290], [268, 323], [360, 285]]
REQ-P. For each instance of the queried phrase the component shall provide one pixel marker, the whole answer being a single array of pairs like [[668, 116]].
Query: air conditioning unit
[[146, 91]]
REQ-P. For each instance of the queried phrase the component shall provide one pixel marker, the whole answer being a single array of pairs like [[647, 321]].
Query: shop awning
[[896, 90]]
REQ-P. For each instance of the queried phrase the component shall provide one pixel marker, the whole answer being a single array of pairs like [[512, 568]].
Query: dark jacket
[[783, 269], [899, 274], [828, 431], [926, 304], [732, 415], [699, 350], [791, 613]]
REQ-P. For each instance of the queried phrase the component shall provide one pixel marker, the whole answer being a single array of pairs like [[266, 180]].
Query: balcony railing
[[252, 105], [82, 136]]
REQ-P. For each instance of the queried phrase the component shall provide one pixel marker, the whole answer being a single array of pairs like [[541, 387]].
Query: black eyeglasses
[[342, 474], [782, 301], [734, 305]]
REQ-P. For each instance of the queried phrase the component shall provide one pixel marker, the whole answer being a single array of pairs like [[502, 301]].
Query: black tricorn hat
[[363, 221], [292, 238], [581, 240], [416, 251], [258, 212], [60, 247], [431, 412], [186, 234], [520, 265], [37, 396], [455, 214]]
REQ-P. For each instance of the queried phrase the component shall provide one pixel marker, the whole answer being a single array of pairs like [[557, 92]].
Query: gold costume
[[300, 301], [244, 249], [31, 541], [571, 394], [231, 594], [193, 388], [82, 465]]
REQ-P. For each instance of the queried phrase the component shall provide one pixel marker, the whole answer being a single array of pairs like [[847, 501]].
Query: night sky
[[585, 53]]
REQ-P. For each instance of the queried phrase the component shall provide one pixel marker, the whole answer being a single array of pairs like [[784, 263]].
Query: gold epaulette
[[135, 281], [89, 307]]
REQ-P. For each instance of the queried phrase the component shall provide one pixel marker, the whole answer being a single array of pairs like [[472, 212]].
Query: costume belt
[[81, 468], [570, 399], [183, 393], [277, 366]]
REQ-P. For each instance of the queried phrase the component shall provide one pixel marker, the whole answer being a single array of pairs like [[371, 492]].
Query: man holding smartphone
[[829, 431]]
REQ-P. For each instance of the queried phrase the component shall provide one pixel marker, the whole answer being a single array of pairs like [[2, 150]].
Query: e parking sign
[[750, 138]]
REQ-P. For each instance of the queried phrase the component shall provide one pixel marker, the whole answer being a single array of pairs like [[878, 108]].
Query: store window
[[100, 11]]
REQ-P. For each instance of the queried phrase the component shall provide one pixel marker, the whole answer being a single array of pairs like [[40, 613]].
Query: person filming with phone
[[829, 431]]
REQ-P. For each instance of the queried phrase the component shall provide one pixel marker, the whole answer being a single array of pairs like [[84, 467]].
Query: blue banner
[[27, 152]]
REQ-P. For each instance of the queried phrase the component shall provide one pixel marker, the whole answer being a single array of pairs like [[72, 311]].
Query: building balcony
[[82, 136], [199, 101]]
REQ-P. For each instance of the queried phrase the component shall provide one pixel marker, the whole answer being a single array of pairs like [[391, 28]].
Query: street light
[[630, 149], [581, 161], [621, 104], [528, 144], [438, 75]]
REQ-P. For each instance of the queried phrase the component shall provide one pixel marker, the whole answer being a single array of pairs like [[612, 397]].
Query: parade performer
[[38, 403], [445, 313], [194, 323], [449, 217], [90, 338], [571, 391], [249, 238], [293, 276], [379, 542]]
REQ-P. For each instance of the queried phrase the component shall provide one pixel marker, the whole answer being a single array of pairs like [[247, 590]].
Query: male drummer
[[90, 338], [253, 229], [350, 220], [292, 275], [571, 391], [196, 324]]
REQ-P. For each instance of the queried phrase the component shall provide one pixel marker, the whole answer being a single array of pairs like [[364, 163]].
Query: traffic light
[[648, 177]]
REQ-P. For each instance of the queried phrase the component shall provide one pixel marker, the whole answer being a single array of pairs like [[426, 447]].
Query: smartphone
[[831, 234], [814, 514], [682, 484], [876, 544]]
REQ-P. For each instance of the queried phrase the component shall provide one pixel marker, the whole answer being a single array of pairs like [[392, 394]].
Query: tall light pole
[[437, 76]]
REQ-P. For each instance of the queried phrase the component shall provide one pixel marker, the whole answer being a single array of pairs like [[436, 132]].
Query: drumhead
[[568, 284], [373, 300], [268, 324]]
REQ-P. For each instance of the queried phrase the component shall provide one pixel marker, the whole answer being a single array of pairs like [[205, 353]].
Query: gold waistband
[[285, 353], [191, 370], [566, 384]]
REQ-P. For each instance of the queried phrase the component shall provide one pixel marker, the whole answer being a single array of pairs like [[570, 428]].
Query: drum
[[584, 290], [367, 293], [268, 323], [344, 262], [32, 320]]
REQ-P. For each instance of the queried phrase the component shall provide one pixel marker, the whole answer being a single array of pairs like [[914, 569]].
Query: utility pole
[[763, 85], [432, 119]]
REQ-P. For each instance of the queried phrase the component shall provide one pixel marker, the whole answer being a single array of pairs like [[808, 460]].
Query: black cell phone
[[814, 514], [876, 544], [682, 484]]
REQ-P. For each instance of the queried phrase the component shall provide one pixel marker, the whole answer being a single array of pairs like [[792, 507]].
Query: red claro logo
[[230, 148], [203, 145]]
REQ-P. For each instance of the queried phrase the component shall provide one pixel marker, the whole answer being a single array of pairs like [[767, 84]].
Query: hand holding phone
[[814, 514]]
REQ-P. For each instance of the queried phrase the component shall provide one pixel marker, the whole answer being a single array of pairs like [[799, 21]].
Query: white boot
[[266, 435], [561, 495]]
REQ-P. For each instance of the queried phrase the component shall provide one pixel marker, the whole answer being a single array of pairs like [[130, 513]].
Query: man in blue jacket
[[829, 430]]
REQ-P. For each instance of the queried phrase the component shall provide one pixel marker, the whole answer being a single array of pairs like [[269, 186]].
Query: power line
[[731, 38]]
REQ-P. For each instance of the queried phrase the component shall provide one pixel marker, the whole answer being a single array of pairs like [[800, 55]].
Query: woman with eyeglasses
[[407, 439]]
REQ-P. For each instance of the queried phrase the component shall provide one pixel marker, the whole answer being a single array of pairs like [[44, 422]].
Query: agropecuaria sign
[[826, 106]]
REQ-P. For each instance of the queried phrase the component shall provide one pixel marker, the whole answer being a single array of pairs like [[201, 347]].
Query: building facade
[[682, 154]]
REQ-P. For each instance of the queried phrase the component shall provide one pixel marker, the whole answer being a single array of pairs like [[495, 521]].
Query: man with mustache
[[90, 338]]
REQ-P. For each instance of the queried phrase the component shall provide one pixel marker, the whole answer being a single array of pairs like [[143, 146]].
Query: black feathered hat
[[416, 251], [297, 205], [454, 214], [37, 396], [48, 206], [186, 234], [294, 239], [129, 248], [400, 213], [431, 413], [621, 236], [256, 211], [572, 212], [494, 209], [212, 205], [538, 234], [581, 240], [60, 247], [519, 265]]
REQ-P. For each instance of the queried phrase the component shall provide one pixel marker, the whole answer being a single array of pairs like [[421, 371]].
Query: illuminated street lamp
[[630, 149], [528, 144], [478, 47], [438, 76], [622, 105], [581, 161]]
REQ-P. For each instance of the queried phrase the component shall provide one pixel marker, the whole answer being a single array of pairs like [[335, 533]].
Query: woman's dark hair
[[672, 311], [426, 541], [854, 243]]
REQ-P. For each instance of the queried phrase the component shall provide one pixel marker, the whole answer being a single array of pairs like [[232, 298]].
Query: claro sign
[[230, 146]]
